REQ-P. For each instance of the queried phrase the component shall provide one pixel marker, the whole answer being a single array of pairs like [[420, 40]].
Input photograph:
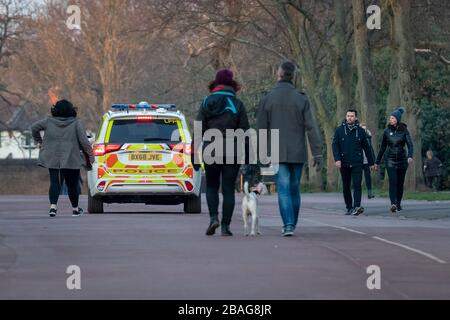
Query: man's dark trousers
[[352, 175]]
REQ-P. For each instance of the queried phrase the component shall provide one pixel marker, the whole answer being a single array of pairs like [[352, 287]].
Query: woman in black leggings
[[395, 137], [61, 151], [222, 110]]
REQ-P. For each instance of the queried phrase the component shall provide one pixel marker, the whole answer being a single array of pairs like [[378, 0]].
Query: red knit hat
[[224, 76]]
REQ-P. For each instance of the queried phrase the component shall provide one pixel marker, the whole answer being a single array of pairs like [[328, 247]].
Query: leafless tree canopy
[[168, 51]]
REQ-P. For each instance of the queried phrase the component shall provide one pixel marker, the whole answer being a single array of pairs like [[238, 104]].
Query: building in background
[[16, 118]]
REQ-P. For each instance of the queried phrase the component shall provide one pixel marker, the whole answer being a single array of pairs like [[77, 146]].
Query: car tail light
[[189, 186], [101, 185], [101, 149], [182, 148]]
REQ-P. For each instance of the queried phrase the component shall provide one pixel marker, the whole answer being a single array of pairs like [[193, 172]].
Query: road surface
[[158, 252]]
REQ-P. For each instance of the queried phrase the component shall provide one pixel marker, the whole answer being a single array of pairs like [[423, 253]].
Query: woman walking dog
[[64, 138], [222, 110]]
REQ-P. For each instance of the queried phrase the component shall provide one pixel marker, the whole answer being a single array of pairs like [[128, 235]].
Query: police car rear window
[[147, 131]]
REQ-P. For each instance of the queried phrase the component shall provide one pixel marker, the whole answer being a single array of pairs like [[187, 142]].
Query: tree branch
[[437, 54]]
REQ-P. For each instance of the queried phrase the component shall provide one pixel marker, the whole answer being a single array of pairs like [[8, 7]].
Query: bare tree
[[98, 63], [405, 62], [366, 85], [12, 13]]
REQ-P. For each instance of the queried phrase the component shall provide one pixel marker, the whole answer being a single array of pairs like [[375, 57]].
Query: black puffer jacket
[[222, 110], [349, 144], [393, 146]]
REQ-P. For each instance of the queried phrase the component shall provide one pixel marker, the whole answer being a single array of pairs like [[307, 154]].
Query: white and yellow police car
[[143, 155]]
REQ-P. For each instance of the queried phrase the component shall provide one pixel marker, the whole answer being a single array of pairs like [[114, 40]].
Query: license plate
[[145, 157]]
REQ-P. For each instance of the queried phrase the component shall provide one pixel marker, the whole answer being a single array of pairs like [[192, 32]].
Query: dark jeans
[[367, 176], [229, 173], [71, 177], [396, 182], [352, 175]]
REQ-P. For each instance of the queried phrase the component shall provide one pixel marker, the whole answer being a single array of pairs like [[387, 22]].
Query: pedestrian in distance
[[366, 167], [432, 170], [395, 137], [350, 144], [59, 152], [287, 109], [222, 110]]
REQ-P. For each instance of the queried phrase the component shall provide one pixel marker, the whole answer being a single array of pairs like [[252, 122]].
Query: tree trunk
[[222, 55], [393, 99], [405, 72], [366, 85], [342, 60], [303, 56], [321, 115], [332, 171]]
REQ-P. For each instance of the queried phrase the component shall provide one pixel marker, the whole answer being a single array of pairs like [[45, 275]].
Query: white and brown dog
[[250, 207]]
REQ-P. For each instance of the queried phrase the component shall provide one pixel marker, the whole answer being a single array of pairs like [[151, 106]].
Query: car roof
[[123, 110], [134, 113]]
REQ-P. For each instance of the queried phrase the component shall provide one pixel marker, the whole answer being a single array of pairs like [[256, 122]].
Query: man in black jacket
[[349, 143]]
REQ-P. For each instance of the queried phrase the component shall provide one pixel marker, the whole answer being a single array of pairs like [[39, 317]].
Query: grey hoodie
[[63, 140]]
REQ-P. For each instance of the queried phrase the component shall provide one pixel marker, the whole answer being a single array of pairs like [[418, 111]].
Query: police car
[[143, 155]]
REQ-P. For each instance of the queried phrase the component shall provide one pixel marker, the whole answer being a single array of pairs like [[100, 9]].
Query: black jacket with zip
[[222, 110], [349, 144], [393, 146]]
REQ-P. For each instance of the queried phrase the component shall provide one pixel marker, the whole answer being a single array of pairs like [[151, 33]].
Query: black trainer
[[399, 208], [393, 208], [349, 212], [77, 213], [52, 212], [212, 227], [226, 231]]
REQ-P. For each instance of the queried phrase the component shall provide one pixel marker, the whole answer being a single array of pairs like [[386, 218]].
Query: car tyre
[[193, 204], [94, 205]]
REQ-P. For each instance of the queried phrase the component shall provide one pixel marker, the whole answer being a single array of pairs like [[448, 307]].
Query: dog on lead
[[250, 207]]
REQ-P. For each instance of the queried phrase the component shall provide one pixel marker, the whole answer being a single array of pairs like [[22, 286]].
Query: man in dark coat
[[350, 143], [432, 169], [288, 110]]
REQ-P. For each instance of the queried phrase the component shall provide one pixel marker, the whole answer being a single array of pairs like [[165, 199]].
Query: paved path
[[156, 252]]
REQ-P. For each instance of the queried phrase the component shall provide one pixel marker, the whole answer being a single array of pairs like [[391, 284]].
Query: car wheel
[[94, 205], [193, 204]]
